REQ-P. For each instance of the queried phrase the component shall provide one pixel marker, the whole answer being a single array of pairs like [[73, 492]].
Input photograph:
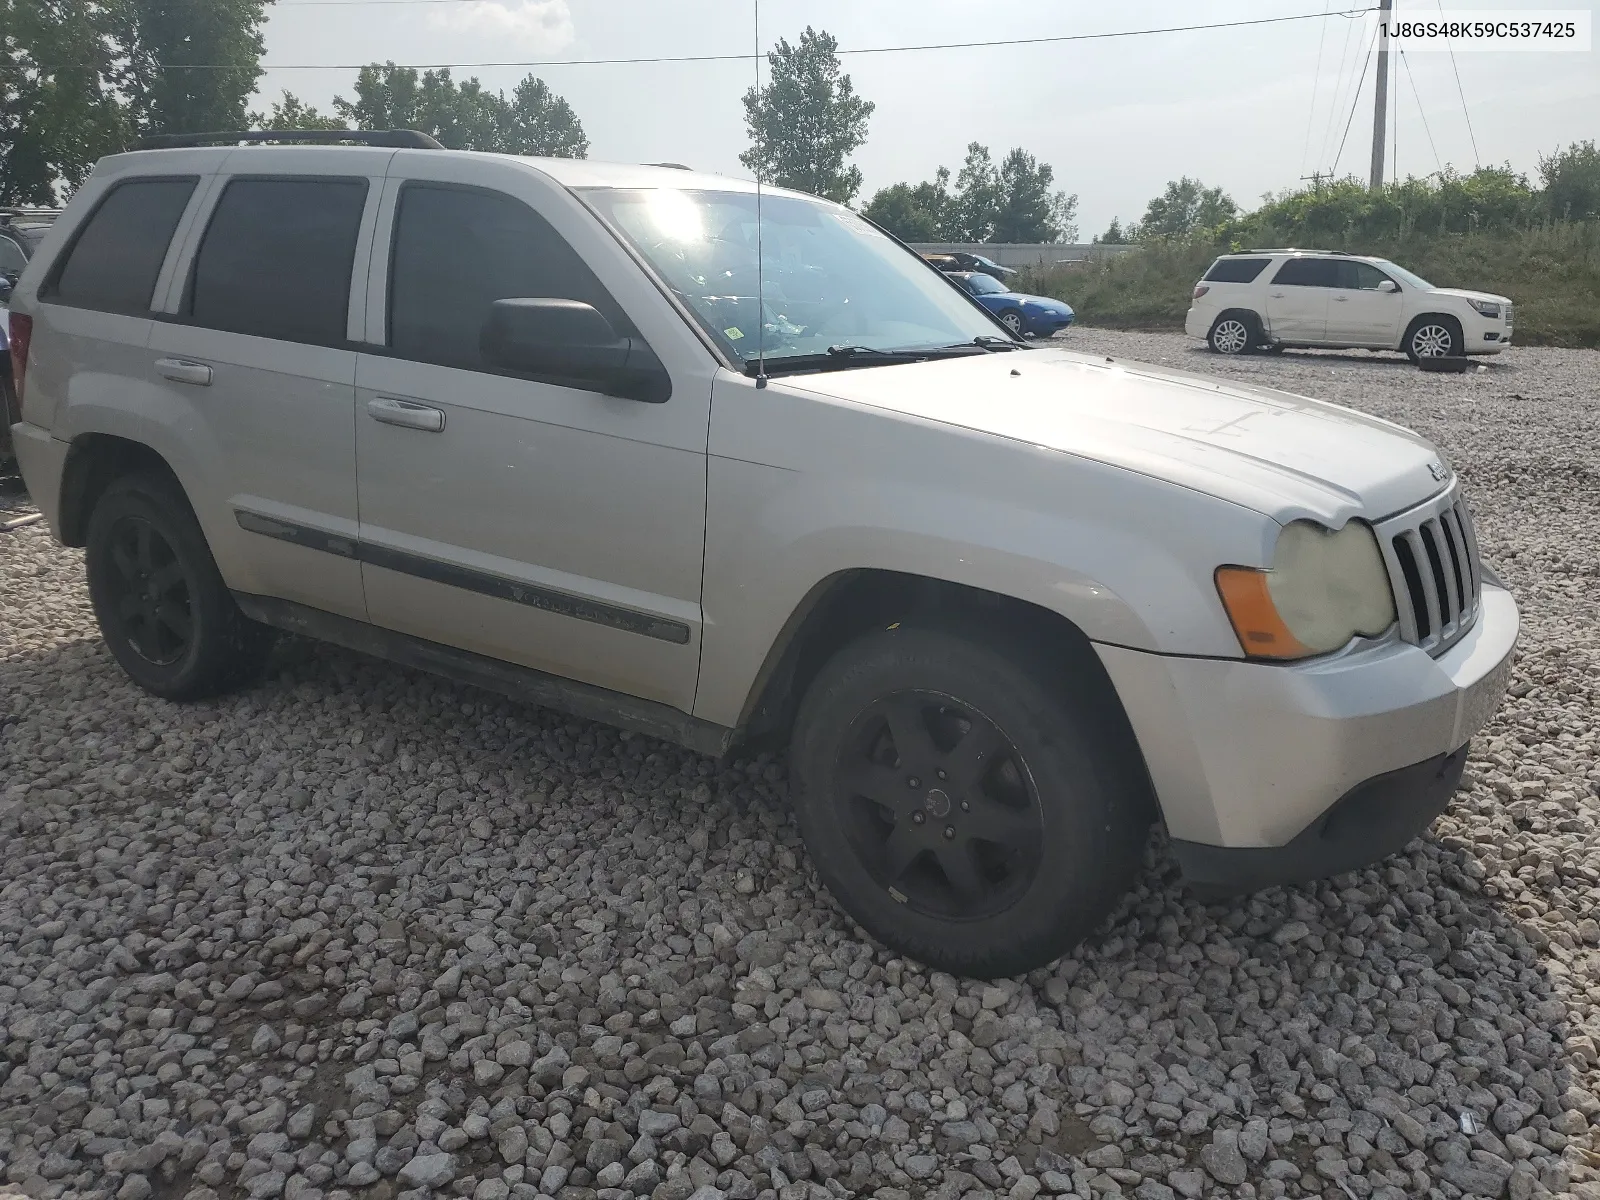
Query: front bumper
[[1485, 335], [1045, 324], [1257, 757]]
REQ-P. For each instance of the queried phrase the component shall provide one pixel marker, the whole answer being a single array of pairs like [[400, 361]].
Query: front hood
[[1041, 301], [1280, 454], [1490, 297]]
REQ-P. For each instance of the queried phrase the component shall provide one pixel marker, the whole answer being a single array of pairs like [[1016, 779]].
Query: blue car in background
[[1037, 315]]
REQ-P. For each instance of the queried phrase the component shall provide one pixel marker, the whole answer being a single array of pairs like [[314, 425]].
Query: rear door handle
[[1341, 299], [1277, 295], [181, 370], [406, 413]]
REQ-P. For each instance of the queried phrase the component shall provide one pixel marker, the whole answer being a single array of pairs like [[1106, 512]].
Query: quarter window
[[115, 260], [277, 258], [457, 251], [1235, 270]]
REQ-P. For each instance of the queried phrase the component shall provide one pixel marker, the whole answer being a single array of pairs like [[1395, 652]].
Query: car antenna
[[761, 302]]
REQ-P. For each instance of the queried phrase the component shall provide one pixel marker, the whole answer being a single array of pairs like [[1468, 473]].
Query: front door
[[537, 523], [1297, 299], [1360, 311]]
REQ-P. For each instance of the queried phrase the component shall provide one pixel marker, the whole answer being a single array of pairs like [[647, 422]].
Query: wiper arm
[[991, 342], [839, 358]]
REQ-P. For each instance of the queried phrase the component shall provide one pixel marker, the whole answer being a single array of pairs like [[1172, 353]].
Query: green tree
[[159, 37], [1028, 210], [539, 122], [1571, 179], [465, 115], [913, 212], [58, 108], [1185, 206], [975, 205], [1116, 235], [293, 113], [807, 121]]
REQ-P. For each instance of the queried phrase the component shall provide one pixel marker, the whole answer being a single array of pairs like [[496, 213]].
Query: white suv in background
[[1272, 299]]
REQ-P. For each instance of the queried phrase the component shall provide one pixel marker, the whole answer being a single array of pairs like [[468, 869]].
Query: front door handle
[[181, 370], [1341, 299], [1277, 295], [406, 413]]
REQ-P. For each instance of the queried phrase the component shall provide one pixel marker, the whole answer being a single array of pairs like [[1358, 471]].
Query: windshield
[[829, 279], [1416, 281], [984, 285]]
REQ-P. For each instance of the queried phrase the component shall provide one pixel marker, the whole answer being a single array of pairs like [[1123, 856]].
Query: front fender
[[1127, 559]]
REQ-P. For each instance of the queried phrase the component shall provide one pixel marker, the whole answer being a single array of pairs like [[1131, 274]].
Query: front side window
[[830, 280], [1309, 272], [1415, 280], [458, 250], [276, 259], [115, 261], [1363, 277]]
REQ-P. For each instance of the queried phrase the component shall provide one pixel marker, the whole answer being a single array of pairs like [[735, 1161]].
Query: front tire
[[975, 815], [1434, 337], [1012, 320], [1233, 333], [163, 609]]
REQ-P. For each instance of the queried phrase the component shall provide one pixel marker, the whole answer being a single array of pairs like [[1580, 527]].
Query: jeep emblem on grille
[[1436, 469]]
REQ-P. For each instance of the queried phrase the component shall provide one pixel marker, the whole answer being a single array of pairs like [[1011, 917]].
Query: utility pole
[[1380, 111]]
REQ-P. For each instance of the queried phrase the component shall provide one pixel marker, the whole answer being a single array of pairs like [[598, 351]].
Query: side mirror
[[1388, 285], [568, 341]]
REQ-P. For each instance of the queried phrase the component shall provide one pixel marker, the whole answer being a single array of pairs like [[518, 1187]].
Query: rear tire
[[983, 857], [1434, 337], [1234, 332], [164, 611]]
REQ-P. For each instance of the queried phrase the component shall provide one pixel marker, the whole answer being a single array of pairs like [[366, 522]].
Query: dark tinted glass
[[1360, 275], [276, 259], [114, 262], [1235, 270], [456, 252], [11, 256], [1309, 272]]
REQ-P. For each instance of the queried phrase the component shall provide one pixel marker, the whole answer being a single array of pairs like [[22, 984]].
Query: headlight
[[1486, 307], [1323, 589]]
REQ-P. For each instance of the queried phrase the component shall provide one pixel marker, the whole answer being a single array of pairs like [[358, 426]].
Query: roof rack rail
[[393, 138], [1290, 250], [674, 166]]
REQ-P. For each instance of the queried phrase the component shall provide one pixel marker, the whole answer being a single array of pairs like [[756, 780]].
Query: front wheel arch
[[1444, 320]]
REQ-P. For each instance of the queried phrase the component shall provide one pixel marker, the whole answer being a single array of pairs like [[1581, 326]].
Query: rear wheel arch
[[93, 463]]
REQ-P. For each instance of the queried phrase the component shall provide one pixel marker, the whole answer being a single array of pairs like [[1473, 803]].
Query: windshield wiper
[[990, 342], [840, 358]]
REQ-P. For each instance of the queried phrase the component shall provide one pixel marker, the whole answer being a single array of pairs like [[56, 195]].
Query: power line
[[1421, 112], [1476, 161], [699, 58], [1354, 101], [1316, 81], [1338, 90]]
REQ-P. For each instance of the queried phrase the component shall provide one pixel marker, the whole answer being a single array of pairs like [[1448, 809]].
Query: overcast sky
[[1247, 109]]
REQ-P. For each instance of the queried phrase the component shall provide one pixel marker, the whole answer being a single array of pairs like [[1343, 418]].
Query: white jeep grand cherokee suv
[[507, 419], [1271, 299]]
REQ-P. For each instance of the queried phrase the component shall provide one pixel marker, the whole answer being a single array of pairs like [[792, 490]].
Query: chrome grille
[[1432, 556]]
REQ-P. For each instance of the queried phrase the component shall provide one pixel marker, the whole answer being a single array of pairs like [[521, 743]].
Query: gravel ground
[[361, 933]]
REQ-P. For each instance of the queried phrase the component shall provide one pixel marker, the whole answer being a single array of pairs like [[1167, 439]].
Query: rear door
[[256, 362], [1297, 299], [1360, 312]]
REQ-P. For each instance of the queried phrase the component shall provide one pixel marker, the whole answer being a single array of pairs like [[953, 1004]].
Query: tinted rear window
[[1309, 272], [114, 261], [277, 257], [1235, 270]]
